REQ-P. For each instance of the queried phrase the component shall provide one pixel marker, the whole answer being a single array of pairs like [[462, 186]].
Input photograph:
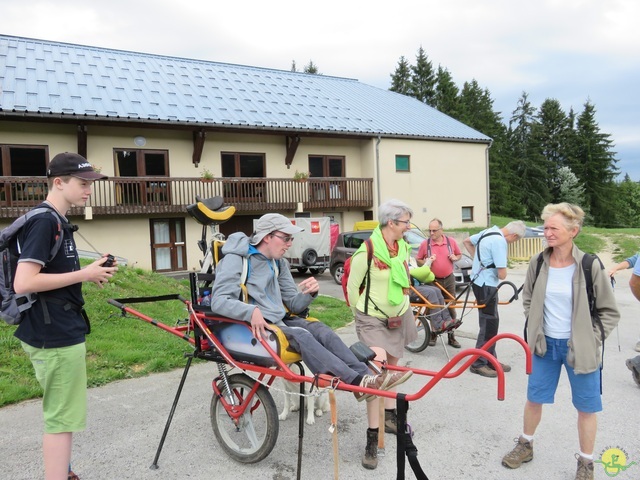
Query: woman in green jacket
[[561, 332], [384, 318]]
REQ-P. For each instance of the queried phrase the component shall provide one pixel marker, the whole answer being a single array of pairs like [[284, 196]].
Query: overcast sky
[[571, 50]]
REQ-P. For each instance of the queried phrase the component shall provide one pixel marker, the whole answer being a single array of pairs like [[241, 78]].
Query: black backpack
[[482, 265], [587, 264], [13, 306]]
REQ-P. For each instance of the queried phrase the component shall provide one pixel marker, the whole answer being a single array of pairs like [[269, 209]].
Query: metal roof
[[40, 77]]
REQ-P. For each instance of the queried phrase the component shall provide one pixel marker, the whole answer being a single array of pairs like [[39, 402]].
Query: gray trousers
[[438, 315], [487, 318], [449, 284], [322, 349]]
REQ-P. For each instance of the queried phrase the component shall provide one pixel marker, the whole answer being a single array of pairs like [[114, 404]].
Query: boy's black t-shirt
[[67, 326]]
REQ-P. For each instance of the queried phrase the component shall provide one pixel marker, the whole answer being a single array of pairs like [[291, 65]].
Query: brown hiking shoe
[[505, 368], [521, 453], [484, 371], [432, 340], [370, 458], [390, 422], [585, 468], [453, 342]]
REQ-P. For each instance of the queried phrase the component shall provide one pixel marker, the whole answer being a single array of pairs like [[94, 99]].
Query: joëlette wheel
[[253, 436], [424, 334]]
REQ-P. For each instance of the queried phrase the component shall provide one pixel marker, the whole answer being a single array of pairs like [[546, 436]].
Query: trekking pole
[[613, 287]]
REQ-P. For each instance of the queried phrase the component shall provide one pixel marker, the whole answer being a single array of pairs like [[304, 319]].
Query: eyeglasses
[[434, 231], [285, 239], [406, 222]]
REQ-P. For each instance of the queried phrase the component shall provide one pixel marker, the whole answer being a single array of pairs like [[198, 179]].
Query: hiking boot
[[484, 371], [379, 382], [505, 368], [370, 458], [390, 422], [393, 379], [453, 342], [585, 468], [432, 340], [521, 453], [633, 364]]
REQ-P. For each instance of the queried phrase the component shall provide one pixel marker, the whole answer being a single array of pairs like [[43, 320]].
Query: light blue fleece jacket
[[268, 290]]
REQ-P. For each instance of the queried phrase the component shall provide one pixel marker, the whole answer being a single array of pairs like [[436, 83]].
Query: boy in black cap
[[53, 331]]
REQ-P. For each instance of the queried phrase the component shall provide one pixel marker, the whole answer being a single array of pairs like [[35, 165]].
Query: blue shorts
[[543, 381]]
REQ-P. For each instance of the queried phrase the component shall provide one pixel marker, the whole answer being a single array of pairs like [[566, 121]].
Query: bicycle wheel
[[424, 334], [256, 432]]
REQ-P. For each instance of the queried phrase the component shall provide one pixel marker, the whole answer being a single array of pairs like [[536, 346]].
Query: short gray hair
[[393, 210], [517, 227], [572, 214]]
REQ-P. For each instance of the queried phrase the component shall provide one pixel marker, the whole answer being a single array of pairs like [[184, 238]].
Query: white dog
[[317, 404]]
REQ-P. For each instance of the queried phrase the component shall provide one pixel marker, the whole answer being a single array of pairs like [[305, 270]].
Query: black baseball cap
[[72, 164]]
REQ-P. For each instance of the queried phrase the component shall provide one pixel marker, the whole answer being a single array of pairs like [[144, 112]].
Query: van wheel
[[302, 269], [309, 257]]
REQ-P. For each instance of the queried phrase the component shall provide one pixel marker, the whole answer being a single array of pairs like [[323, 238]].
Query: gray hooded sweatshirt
[[269, 284]]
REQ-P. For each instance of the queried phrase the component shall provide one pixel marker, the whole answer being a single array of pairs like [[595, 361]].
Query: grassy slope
[[126, 347]]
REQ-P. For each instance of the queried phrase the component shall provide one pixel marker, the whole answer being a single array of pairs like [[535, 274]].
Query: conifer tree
[[423, 79], [595, 165], [627, 203], [311, 68], [553, 134], [529, 164], [401, 78], [446, 97]]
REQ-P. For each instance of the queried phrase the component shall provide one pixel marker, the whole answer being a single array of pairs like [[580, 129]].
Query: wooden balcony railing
[[140, 195]]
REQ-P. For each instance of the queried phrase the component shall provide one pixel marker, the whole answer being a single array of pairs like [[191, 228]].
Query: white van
[[311, 249]]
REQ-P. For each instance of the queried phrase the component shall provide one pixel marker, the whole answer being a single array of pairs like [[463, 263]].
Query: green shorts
[[62, 374]]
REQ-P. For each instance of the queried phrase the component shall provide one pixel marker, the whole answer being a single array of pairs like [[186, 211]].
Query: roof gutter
[[486, 169], [378, 170]]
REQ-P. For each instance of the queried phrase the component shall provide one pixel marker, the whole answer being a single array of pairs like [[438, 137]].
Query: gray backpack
[[13, 306]]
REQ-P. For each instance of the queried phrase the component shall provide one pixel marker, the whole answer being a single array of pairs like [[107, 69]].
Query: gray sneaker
[[521, 453], [585, 468]]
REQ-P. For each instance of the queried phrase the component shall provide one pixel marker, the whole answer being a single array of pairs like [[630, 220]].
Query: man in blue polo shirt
[[489, 251]]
